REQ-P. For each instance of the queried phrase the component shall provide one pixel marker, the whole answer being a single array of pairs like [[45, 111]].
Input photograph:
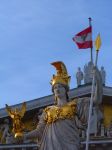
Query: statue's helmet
[[62, 76]]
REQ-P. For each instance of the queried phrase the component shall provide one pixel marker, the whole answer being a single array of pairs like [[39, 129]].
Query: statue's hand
[[85, 126]]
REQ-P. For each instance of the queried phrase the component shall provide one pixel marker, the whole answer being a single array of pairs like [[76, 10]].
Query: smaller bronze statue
[[16, 115]]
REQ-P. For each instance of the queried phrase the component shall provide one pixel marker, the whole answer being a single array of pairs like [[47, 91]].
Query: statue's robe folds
[[63, 134]]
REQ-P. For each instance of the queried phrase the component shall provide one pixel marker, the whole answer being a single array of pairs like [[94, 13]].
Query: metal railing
[[20, 146], [35, 146]]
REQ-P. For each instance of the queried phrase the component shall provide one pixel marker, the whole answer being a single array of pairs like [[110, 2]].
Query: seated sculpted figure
[[59, 124]]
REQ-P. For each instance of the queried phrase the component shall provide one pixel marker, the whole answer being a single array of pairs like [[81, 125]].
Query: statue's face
[[59, 90]]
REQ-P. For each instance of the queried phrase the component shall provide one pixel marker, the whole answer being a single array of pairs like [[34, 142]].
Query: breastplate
[[54, 113]]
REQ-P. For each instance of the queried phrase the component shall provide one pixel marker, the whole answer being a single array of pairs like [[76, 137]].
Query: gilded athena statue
[[59, 124]]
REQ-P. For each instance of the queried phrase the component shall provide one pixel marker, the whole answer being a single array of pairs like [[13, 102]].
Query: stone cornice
[[49, 100]]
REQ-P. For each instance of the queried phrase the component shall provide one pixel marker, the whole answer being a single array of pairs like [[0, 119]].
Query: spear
[[91, 49], [97, 45]]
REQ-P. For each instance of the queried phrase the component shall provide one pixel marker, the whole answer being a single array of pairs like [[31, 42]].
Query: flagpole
[[91, 49], [91, 104], [97, 44]]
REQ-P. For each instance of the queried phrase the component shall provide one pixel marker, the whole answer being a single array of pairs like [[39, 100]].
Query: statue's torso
[[54, 113]]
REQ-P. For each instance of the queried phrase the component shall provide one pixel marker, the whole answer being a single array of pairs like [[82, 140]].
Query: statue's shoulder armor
[[72, 103], [48, 108]]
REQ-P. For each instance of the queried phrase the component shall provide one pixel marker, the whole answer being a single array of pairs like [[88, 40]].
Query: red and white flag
[[83, 39]]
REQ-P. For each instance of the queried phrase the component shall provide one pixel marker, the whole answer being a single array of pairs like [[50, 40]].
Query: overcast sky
[[34, 33]]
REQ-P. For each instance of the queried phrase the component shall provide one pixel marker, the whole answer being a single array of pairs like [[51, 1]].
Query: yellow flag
[[98, 42]]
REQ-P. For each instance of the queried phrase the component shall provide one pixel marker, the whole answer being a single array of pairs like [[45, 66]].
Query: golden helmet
[[62, 75]]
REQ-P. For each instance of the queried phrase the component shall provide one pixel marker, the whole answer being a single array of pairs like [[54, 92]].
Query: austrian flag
[[83, 39]]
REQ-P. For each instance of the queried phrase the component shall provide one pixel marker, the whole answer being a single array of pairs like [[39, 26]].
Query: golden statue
[[59, 124], [16, 115]]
